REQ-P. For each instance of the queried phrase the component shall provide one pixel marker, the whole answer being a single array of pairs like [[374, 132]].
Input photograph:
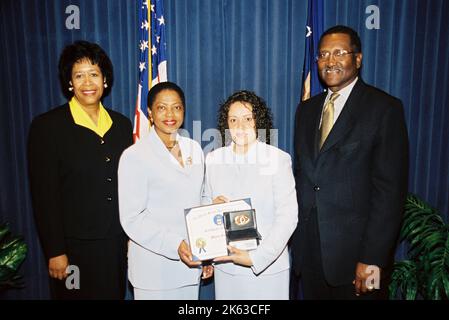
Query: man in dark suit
[[351, 150]]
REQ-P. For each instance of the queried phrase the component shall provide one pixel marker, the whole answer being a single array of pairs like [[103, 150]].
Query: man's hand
[[237, 256], [208, 271], [57, 267], [186, 256], [361, 278]]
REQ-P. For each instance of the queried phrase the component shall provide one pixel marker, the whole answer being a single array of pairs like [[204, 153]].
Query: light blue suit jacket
[[154, 190]]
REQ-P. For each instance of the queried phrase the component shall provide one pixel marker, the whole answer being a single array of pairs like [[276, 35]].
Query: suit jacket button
[[109, 198], [101, 141], [109, 179], [316, 188], [107, 159]]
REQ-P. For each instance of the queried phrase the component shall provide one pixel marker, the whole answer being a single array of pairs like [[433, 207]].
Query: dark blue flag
[[314, 29]]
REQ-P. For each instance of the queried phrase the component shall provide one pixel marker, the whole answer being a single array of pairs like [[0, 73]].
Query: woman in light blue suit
[[158, 177], [250, 168]]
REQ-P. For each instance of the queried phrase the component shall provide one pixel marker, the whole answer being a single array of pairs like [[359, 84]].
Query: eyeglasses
[[337, 54]]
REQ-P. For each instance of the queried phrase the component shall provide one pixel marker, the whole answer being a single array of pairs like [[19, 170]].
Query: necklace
[[176, 153], [171, 147]]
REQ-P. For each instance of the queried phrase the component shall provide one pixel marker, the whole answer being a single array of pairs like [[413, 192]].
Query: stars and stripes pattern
[[314, 29], [152, 60]]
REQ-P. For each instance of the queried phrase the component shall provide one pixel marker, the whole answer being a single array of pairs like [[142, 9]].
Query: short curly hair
[[261, 113], [78, 51]]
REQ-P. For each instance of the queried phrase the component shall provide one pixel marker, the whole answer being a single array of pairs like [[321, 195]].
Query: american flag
[[152, 61], [314, 29]]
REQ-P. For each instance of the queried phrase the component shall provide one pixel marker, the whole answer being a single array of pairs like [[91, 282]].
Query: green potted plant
[[425, 274], [12, 253]]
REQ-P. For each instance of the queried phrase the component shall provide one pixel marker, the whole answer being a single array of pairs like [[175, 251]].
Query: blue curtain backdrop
[[220, 46], [214, 48]]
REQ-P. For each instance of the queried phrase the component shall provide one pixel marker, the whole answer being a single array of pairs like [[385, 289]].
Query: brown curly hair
[[261, 113]]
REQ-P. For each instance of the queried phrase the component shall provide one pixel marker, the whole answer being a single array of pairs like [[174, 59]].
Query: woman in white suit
[[158, 177], [250, 168]]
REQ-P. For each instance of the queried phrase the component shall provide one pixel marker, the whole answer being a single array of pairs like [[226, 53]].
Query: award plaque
[[205, 229]]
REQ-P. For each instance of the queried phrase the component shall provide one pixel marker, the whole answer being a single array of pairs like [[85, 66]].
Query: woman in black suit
[[73, 154]]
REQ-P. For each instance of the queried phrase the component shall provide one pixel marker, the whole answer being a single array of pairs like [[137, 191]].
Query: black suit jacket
[[73, 178], [357, 182]]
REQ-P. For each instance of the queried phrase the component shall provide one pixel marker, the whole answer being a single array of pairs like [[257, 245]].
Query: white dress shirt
[[340, 102]]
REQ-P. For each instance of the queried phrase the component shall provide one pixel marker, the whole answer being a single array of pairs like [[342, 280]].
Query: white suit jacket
[[154, 190], [265, 175]]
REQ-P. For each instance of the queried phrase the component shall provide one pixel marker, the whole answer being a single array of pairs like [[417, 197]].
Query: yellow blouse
[[81, 118]]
